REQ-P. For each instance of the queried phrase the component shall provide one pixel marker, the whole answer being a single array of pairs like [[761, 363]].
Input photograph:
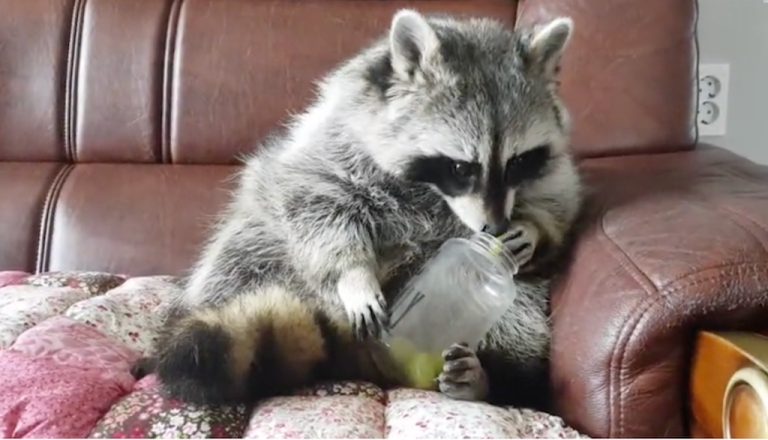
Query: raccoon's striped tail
[[257, 345]]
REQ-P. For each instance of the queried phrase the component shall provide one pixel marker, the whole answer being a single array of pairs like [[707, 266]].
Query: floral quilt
[[67, 340]]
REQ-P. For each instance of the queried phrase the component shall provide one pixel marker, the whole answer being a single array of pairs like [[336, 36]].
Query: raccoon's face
[[473, 111]]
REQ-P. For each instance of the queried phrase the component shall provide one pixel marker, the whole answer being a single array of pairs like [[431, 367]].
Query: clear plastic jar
[[457, 297]]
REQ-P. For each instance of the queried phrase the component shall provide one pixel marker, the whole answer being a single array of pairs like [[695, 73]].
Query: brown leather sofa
[[121, 120]]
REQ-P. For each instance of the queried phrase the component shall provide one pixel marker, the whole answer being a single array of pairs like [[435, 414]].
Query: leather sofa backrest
[[121, 120], [201, 81]]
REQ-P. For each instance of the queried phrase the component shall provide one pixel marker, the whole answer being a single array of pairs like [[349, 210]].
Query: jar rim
[[493, 250]]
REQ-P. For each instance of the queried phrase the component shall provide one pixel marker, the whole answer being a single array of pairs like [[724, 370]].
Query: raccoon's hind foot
[[366, 308], [522, 238], [463, 377]]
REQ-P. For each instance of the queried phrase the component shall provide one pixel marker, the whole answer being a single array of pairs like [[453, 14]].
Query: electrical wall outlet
[[712, 114]]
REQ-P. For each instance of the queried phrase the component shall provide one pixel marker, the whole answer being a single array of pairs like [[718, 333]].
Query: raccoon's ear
[[412, 41], [546, 43]]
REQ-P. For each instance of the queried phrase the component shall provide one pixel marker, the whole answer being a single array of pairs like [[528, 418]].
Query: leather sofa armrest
[[672, 243]]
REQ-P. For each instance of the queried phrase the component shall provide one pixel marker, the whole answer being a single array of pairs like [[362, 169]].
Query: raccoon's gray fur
[[443, 128]]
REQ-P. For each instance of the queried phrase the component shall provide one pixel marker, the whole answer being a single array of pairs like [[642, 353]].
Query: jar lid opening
[[493, 251]]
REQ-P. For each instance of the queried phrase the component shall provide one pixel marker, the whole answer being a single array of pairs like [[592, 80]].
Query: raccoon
[[441, 128]]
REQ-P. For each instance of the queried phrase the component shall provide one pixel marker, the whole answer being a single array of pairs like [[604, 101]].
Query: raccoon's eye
[[463, 170], [526, 166]]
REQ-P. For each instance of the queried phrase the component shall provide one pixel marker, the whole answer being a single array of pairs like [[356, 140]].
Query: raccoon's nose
[[496, 228]]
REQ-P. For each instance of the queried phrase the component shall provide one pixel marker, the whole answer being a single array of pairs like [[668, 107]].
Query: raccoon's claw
[[364, 303], [370, 321], [521, 241], [463, 378]]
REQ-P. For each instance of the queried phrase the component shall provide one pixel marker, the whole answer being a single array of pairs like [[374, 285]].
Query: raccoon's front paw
[[364, 303], [463, 378], [521, 241], [367, 314]]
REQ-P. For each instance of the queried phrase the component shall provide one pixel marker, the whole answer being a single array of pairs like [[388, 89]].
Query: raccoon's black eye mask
[[452, 177], [526, 166]]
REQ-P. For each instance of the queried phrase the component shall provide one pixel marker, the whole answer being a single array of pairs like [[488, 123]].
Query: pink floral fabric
[[11, 277], [92, 283], [147, 413], [67, 340], [317, 417], [22, 307], [43, 398], [336, 410], [425, 414], [128, 313]]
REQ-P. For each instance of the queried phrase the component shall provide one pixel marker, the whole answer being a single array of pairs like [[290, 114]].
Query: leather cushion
[[159, 81], [133, 219]]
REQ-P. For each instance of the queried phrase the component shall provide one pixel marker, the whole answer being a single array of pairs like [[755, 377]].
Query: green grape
[[402, 350], [423, 369]]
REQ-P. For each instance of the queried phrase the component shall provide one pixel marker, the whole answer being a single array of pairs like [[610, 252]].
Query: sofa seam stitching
[[169, 64], [46, 218], [159, 72], [641, 278], [71, 84]]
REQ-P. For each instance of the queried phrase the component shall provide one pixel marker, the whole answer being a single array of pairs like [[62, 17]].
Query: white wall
[[736, 32]]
